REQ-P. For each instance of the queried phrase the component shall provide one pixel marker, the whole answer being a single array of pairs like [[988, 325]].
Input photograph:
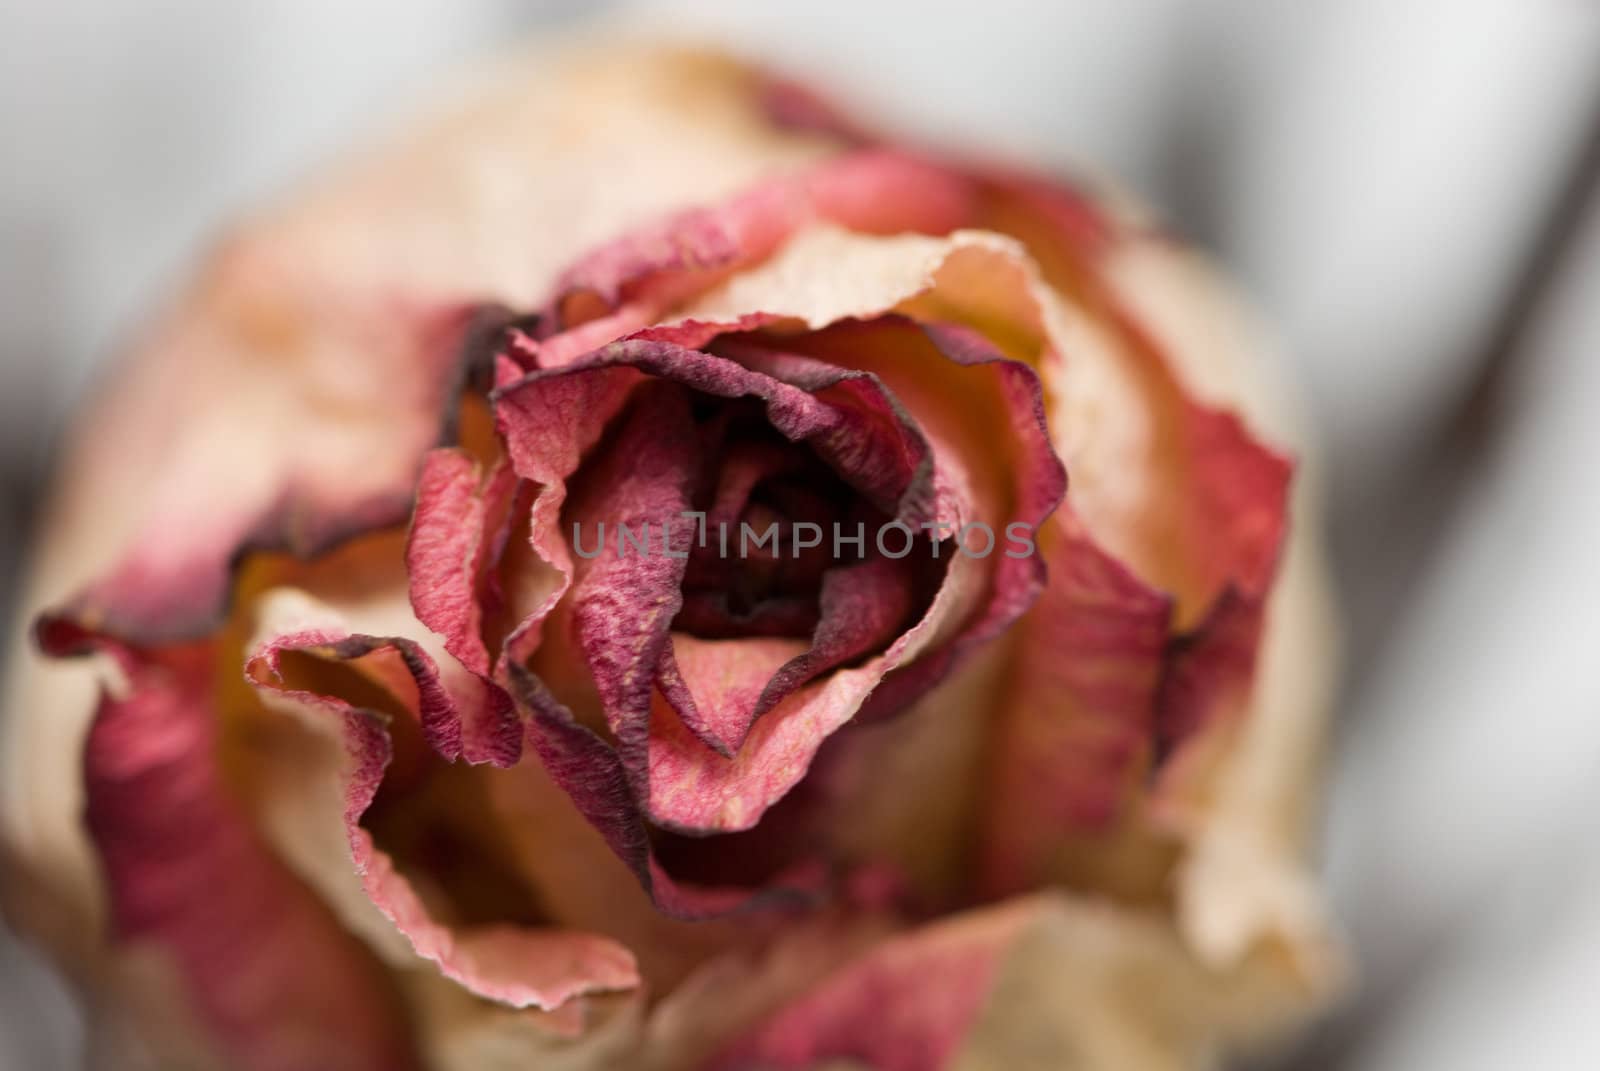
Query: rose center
[[777, 518]]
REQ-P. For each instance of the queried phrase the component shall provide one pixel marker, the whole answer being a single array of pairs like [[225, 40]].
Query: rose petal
[[878, 191], [189, 876], [864, 605], [1052, 980], [514, 966], [1176, 487], [452, 539], [1092, 984], [256, 351], [716, 686], [593, 775], [906, 1005], [1039, 479], [1209, 670], [1205, 516], [734, 993], [966, 398], [622, 604], [1076, 729], [1165, 337]]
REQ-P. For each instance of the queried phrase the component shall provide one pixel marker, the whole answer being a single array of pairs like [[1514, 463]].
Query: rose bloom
[[327, 748]]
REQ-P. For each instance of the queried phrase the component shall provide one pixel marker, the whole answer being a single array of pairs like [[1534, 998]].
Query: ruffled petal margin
[[190, 878]]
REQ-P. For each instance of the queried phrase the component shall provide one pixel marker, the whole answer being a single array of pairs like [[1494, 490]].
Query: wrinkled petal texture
[[517, 967], [191, 878]]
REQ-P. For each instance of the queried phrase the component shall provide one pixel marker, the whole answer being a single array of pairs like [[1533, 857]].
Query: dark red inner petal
[[753, 476], [675, 450]]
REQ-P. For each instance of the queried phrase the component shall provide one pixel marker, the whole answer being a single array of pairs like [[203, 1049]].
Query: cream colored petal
[[826, 273], [1246, 877], [1097, 987]]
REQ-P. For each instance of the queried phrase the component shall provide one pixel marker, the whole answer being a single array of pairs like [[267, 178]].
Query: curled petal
[[623, 605], [967, 398], [188, 876], [695, 789], [716, 687], [646, 272], [594, 776], [863, 606], [453, 537], [515, 966]]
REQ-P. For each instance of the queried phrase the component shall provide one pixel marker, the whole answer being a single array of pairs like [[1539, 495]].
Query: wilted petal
[[516, 966], [461, 519], [275, 978], [1167, 338], [695, 789], [716, 686], [623, 604], [862, 607], [1052, 980], [906, 1005], [1209, 671], [646, 272], [1244, 797], [1092, 984], [593, 774], [734, 993], [1174, 486], [967, 400], [257, 351], [1076, 730]]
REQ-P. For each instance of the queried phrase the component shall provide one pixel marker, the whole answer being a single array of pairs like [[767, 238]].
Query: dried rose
[[597, 581]]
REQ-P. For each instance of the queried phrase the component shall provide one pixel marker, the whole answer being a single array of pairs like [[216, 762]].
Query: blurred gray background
[[1408, 189]]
